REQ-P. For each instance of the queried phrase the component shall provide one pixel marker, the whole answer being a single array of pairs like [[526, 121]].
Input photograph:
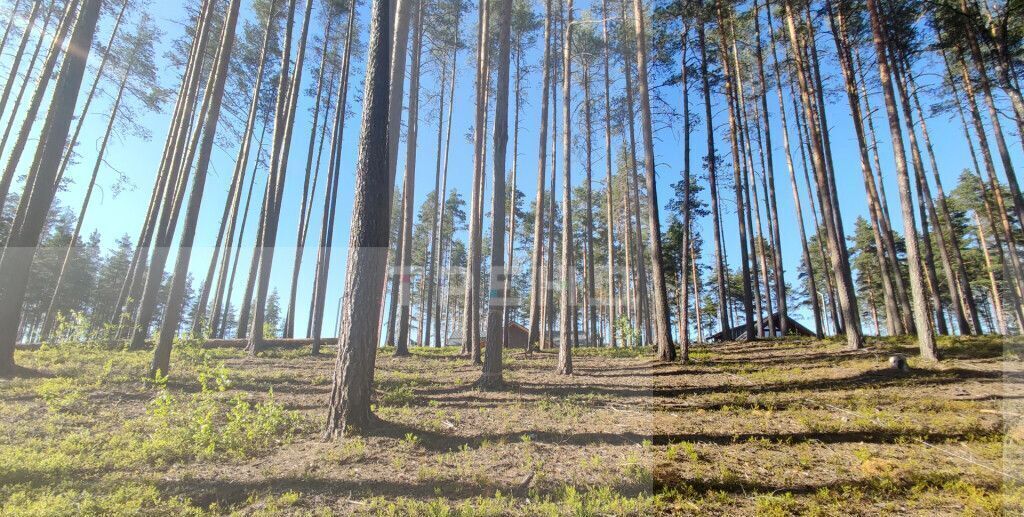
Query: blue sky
[[137, 159]]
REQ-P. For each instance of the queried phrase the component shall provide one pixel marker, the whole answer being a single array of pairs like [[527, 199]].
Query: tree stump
[[899, 362]]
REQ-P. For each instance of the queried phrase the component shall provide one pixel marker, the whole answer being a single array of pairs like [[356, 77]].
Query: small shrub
[[60, 394]]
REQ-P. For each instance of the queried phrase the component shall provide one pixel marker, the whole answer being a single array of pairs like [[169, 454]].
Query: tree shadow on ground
[[205, 492]]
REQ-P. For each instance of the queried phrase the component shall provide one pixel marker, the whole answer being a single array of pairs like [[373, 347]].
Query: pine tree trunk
[[51, 311], [211, 117], [492, 370], [684, 254], [773, 209], [612, 316], [884, 222], [471, 332], [928, 218], [567, 312], [158, 230], [441, 241], [229, 218], [833, 227], [967, 315], [537, 286], [36, 203], [360, 314], [433, 273], [642, 319], [808, 265], [323, 263], [408, 208], [997, 131], [894, 323], [663, 329], [36, 102], [283, 131], [305, 206], [513, 198], [730, 89], [712, 164], [926, 340], [38, 7], [10, 25], [590, 314], [92, 93]]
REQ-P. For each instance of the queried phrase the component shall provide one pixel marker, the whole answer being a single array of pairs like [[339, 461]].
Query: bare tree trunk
[[663, 329], [36, 203], [567, 317], [211, 117], [967, 315], [305, 206], [283, 130], [537, 287], [229, 218], [712, 165], [114, 31], [894, 323], [512, 215], [32, 111], [357, 344], [10, 24], [608, 170], [158, 229], [492, 370], [433, 275], [590, 311], [773, 209], [222, 298], [927, 215], [408, 208], [331, 194], [51, 311], [471, 333], [885, 225], [444, 189], [641, 293], [997, 131], [26, 81], [812, 284], [835, 240], [38, 7], [926, 340], [729, 73], [685, 260]]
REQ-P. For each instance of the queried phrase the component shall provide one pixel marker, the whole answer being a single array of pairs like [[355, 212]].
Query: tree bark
[[51, 311], [926, 340], [357, 344], [305, 206], [35, 203], [331, 192], [211, 117], [283, 131], [492, 370], [408, 208], [32, 111]]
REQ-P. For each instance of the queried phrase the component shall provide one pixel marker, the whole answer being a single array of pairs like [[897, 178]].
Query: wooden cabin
[[771, 328], [516, 337]]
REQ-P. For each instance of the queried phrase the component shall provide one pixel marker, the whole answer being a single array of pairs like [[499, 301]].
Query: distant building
[[516, 337], [771, 328]]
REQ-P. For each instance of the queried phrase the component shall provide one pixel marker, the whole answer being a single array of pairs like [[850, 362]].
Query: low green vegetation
[[740, 430]]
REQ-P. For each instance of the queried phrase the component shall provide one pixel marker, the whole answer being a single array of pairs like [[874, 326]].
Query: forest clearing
[[768, 428], [511, 257]]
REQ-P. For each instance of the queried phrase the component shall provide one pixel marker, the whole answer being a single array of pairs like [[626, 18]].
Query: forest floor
[[769, 428]]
